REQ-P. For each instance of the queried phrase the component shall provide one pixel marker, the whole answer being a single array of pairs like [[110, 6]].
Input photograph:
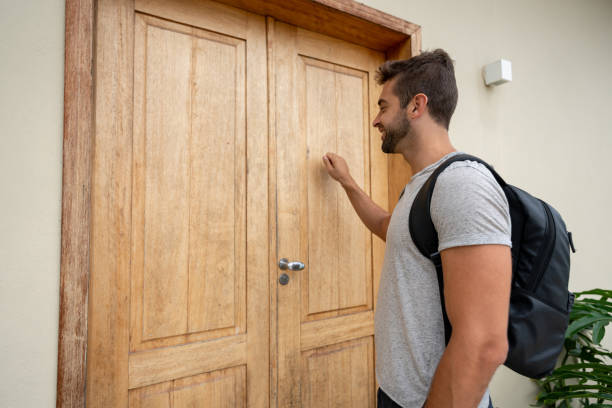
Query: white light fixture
[[497, 73]]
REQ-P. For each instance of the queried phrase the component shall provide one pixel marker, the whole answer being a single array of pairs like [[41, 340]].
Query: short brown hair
[[430, 73]]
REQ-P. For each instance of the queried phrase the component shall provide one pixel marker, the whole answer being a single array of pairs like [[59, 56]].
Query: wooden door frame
[[343, 19]]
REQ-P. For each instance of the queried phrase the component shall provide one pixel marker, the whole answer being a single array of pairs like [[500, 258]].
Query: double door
[[230, 116]]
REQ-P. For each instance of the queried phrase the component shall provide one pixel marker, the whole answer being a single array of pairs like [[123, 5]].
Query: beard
[[396, 131]]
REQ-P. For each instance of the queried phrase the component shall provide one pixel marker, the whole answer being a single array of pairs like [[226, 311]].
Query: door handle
[[284, 264]]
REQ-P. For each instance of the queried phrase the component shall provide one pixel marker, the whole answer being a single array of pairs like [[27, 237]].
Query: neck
[[426, 149]]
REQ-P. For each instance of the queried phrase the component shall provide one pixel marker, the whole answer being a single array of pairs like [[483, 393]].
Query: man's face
[[394, 132], [391, 120]]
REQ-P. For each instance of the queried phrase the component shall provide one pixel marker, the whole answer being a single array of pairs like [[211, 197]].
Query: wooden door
[[325, 100], [202, 180], [179, 295]]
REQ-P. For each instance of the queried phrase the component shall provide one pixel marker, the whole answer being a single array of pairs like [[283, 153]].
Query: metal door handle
[[284, 264]]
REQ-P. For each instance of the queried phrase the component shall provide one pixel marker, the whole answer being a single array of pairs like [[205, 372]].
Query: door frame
[[343, 19]]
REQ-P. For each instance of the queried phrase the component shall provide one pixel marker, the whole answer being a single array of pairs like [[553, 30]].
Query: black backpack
[[540, 302]]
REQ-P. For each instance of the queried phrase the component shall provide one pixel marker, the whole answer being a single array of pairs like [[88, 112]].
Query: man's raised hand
[[337, 168]]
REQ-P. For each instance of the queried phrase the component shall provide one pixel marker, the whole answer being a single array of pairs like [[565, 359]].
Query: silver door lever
[[284, 264]]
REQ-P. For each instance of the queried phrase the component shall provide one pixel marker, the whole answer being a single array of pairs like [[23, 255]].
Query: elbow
[[486, 351], [384, 226], [493, 351]]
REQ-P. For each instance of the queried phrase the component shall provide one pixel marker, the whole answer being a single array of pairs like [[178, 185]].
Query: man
[[471, 216]]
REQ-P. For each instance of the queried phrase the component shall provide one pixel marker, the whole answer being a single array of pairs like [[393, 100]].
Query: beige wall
[[31, 112], [548, 131]]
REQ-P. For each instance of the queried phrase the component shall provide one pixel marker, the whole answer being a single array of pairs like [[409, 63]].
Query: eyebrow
[[381, 101]]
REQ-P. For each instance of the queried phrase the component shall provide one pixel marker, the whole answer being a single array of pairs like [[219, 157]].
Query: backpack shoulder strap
[[423, 231]]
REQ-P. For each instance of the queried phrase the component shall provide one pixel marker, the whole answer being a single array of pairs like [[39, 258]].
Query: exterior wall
[[31, 115], [549, 131]]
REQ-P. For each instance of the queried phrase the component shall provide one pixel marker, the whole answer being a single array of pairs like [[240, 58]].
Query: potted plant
[[584, 376]]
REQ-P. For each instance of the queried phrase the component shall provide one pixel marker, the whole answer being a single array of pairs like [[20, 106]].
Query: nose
[[376, 121]]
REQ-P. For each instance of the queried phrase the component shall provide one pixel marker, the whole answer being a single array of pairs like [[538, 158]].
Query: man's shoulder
[[468, 181], [464, 171], [469, 207]]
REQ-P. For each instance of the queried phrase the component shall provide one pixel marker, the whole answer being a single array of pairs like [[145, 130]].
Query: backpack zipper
[[548, 250]]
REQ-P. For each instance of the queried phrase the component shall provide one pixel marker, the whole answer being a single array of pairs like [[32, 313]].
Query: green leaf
[[599, 376], [601, 302], [600, 292], [599, 330], [584, 374], [577, 366], [585, 387], [578, 394], [584, 323], [593, 306]]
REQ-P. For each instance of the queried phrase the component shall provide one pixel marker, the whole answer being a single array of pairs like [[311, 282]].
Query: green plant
[[584, 376]]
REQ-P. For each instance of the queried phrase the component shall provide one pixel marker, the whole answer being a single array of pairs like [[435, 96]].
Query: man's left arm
[[477, 292]]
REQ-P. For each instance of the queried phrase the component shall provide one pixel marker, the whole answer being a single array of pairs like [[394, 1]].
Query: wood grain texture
[[291, 227], [76, 203], [166, 184], [415, 42], [258, 246], [400, 50], [218, 164], [195, 265], [325, 332], [400, 173], [108, 339], [153, 396], [228, 20], [318, 93], [219, 388], [353, 56], [211, 299], [340, 375], [272, 210], [322, 104], [343, 19], [190, 186], [193, 145], [155, 366], [336, 281], [355, 274]]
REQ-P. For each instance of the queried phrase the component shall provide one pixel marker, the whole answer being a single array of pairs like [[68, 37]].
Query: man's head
[[425, 82]]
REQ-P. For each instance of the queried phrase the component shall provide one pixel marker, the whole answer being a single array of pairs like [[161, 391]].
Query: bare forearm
[[372, 215], [463, 375]]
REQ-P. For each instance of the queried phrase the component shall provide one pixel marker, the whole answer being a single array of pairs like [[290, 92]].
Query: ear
[[417, 106]]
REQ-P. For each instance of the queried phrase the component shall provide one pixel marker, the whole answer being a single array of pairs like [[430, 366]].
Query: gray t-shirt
[[468, 207]]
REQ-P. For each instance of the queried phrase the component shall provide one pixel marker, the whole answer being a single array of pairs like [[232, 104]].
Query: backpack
[[540, 302]]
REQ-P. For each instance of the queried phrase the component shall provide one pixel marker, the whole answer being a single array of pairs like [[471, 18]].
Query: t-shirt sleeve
[[468, 207]]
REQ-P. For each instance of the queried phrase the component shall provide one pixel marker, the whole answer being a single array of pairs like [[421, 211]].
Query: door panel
[[197, 263], [222, 388], [339, 375], [190, 198], [188, 270], [325, 100], [339, 248]]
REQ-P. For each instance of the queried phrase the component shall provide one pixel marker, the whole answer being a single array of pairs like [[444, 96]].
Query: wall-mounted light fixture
[[497, 73]]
